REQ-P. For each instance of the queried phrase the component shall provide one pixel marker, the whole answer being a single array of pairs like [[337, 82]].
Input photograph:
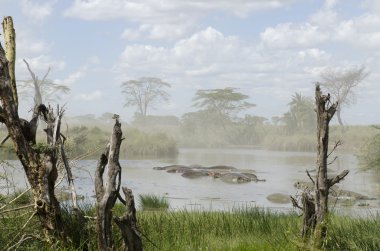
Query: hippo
[[178, 169], [235, 178], [253, 177], [168, 167], [345, 194], [191, 174], [220, 167]]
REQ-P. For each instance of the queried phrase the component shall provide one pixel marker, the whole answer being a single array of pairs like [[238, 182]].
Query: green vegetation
[[84, 139], [21, 197], [370, 153], [240, 229], [153, 202], [143, 144]]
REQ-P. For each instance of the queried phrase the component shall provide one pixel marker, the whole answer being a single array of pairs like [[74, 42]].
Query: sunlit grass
[[153, 202], [239, 229]]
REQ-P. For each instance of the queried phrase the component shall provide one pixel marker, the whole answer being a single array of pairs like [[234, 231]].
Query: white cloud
[[209, 59], [290, 35], [361, 31], [131, 34], [167, 19], [314, 54], [95, 95], [37, 11], [326, 26], [28, 45], [71, 79], [142, 10]]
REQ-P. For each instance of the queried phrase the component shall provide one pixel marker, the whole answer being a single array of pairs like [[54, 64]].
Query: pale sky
[[269, 49]]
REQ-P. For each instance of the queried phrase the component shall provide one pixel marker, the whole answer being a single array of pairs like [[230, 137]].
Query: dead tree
[[316, 209], [38, 160], [325, 112], [128, 224], [107, 192]]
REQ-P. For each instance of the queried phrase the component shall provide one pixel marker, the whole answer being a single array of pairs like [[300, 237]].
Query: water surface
[[280, 170]]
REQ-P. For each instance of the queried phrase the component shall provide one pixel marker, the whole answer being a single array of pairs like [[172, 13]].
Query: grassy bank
[[93, 139], [244, 229]]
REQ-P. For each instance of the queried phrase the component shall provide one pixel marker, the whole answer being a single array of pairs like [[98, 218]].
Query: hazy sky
[[270, 49]]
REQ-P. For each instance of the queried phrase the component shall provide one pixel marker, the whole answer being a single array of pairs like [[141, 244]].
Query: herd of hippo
[[227, 174], [233, 175]]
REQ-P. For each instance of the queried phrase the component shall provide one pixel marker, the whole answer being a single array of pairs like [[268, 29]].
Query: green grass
[[20, 197], [251, 229], [240, 229], [153, 202]]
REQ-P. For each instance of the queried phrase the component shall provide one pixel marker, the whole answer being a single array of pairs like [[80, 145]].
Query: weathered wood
[[107, 190], [128, 224], [309, 219], [325, 112], [39, 161], [10, 48], [315, 209]]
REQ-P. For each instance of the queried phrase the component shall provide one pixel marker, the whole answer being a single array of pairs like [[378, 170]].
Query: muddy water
[[280, 170]]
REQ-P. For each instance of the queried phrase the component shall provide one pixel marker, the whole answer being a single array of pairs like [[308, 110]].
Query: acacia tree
[[341, 85], [144, 93], [45, 90], [225, 102]]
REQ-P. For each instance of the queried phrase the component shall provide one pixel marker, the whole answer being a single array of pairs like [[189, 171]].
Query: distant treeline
[[160, 136]]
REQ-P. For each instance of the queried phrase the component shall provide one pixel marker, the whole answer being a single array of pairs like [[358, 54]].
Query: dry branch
[[338, 178], [128, 224]]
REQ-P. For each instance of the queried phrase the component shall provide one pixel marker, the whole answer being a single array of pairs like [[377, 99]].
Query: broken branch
[[338, 178]]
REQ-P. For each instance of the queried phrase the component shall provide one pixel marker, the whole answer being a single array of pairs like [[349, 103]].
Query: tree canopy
[[341, 83], [226, 102], [45, 90], [301, 115], [144, 93]]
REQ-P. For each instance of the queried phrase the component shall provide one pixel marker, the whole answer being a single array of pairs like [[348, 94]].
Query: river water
[[280, 170]]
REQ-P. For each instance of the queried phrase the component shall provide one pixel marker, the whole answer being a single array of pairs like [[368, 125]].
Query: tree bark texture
[[309, 219], [107, 190], [10, 53], [325, 112], [39, 161], [128, 224]]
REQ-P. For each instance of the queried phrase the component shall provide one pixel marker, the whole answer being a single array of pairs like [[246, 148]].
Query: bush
[[369, 155]]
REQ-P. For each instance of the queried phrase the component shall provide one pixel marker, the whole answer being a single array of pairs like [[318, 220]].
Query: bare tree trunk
[[39, 161], [315, 210], [309, 219], [128, 224], [325, 112], [10, 53], [107, 190]]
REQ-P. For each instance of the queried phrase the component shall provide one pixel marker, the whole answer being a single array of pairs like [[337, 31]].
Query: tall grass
[[153, 202], [248, 229], [239, 229]]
